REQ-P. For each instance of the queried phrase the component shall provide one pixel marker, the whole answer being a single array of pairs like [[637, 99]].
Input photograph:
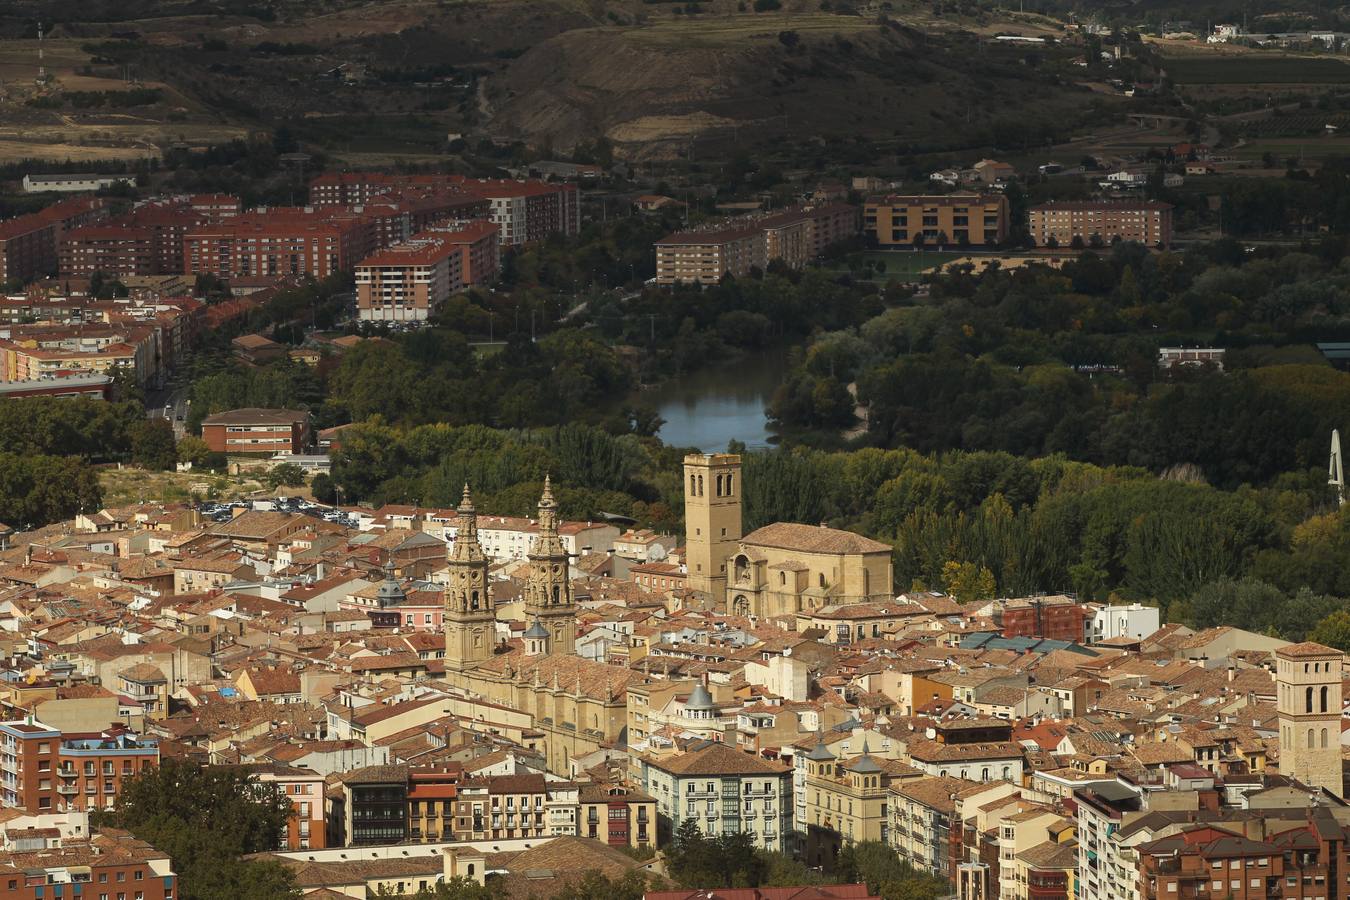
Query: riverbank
[[719, 403]]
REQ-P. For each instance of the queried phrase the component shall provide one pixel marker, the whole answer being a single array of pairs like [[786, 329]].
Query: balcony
[[69, 790]]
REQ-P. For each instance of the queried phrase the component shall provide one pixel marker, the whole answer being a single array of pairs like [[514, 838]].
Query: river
[[720, 403]]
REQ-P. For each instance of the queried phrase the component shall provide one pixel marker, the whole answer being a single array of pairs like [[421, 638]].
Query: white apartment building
[[722, 789], [1132, 621]]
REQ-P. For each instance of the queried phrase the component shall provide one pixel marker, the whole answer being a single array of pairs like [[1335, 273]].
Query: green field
[[1257, 69]]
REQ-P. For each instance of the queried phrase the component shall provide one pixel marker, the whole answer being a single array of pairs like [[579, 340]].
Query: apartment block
[[616, 815], [723, 790], [795, 236], [304, 788], [252, 430], [1211, 860], [43, 770], [29, 243], [107, 865], [405, 282], [431, 802], [523, 211], [280, 242], [146, 241], [1148, 222], [975, 220], [704, 257]]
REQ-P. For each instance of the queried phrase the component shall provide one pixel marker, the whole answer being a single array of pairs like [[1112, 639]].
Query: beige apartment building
[[975, 220], [795, 236], [846, 800], [1058, 223]]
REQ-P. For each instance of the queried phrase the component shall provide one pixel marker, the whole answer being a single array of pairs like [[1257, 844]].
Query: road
[[175, 397]]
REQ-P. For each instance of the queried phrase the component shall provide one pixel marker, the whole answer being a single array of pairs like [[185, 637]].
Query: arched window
[[470, 870], [1324, 738], [719, 485], [782, 578], [729, 489], [693, 485], [1309, 697], [557, 596], [1310, 739], [473, 600], [700, 485], [984, 774], [1007, 772], [1324, 698], [822, 579]]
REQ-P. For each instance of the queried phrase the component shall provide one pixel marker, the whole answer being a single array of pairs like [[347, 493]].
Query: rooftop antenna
[[1336, 473]]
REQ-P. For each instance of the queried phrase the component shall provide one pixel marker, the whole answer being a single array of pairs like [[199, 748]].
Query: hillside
[[397, 79]]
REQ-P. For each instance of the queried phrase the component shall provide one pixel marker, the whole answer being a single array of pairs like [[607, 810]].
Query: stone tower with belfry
[[1308, 700], [470, 618], [712, 520]]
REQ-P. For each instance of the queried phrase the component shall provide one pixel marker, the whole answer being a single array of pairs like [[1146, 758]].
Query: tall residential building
[[43, 770], [908, 220], [407, 281], [723, 790], [470, 618], [1058, 223], [712, 519], [403, 283], [1308, 698], [29, 244]]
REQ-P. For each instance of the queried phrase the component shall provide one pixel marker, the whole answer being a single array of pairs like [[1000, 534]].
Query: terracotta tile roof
[[1307, 648], [717, 759], [812, 539]]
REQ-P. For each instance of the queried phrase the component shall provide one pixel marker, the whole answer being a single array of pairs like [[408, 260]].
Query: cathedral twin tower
[[470, 617]]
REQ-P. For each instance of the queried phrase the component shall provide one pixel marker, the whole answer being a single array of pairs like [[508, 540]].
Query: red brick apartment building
[[1306, 862], [110, 865], [405, 282], [29, 244], [1057, 223], [523, 211], [45, 771], [146, 241], [1052, 618], [254, 430], [279, 242]]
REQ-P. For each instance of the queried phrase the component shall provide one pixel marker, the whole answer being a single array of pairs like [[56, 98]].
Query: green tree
[[192, 449], [966, 581], [1334, 631], [206, 819], [288, 474], [152, 444]]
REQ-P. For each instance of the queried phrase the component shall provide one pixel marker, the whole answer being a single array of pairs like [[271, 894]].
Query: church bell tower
[[548, 592], [470, 619], [712, 520]]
